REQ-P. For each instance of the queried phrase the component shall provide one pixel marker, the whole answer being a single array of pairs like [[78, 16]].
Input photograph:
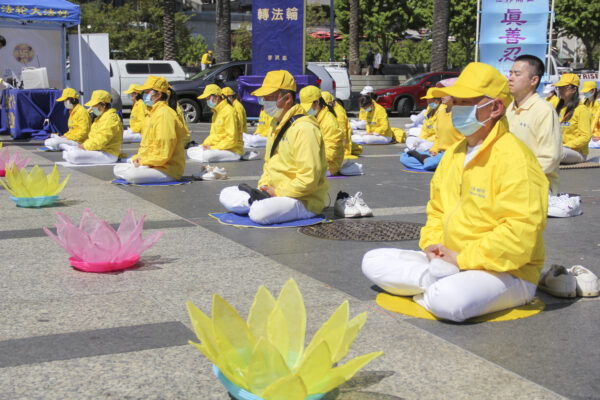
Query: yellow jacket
[[106, 133], [333, 136], [298, 169], [344, 123], [553, 100], [493, 210], [377, 120], [205, 59], [596, 124], [445, 133], [139, 112], [225, 131], [163, 141], [264, 124], [241, 113], [79, 124], [576, 132], [187, 137], [428, 130]]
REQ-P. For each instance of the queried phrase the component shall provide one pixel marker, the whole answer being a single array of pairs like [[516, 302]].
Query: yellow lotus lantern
[[264, 357], [35, 188]]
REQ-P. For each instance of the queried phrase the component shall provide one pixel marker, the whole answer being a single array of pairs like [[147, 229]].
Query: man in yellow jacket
[[139, 112], [161, 156], [424, 141], [351, 150], [378, 130], [207, 60], [79, 123], [483, 248], [103, 144], [293, 185], [224, 143]]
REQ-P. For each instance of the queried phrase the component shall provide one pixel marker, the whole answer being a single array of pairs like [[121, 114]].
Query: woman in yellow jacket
[[266, 124], [237, 106], [79, 123], [103, 144], [378, 127], [426, 137], [575, 120], [139, 112], [590, 96], [351, 150], [224, 143], [161, 156]]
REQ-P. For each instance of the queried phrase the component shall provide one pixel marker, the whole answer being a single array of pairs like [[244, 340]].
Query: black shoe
[[420, 157], [255, 194]]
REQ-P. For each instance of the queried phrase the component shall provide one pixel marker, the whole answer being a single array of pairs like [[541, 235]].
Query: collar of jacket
[[159, 104], [531, 100], [223, 104], [295, 110], [496, 133]]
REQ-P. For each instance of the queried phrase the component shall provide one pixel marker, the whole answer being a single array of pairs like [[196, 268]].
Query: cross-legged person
[[161, 156], [103, 144], [425, 138], [139, 112], [378, 129], [483, 245], [293, 185], [79, 122]]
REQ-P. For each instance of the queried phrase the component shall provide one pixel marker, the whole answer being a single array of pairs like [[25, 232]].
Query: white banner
[[32, 47]]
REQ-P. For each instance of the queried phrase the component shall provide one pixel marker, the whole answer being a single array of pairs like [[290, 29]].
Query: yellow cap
[[227, 91], [68, 93], [99, 96], [274, 81], [587, 86], [328, 97], [157, 83], [568, 79], [476, 80], [210, 51], [210, 90], [133, 88], [429, 95], [308, 95]]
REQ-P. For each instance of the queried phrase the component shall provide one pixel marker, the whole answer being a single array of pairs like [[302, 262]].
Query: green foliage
[[412, 52], [316, 15], [241, 44], [190, 49], [580, 18]]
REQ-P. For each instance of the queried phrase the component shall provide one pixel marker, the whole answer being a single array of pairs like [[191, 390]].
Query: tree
[[354, 60], [223, 33], [241, 47], [463, 26], [169, 29], [580, 18], [439, 45]]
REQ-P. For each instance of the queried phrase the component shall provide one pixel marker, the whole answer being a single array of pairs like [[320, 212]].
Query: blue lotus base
[[28, 202]]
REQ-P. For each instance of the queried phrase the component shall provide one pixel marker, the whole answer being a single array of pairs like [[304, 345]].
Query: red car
[[406, 97]]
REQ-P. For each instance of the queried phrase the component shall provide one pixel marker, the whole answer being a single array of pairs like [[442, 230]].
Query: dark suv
[[406, 97]]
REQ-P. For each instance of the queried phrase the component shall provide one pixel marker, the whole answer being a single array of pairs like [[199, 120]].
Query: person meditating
[[103, 144], [139, 112], [293, 185], [483, 244], [79, 123], [161, 156]]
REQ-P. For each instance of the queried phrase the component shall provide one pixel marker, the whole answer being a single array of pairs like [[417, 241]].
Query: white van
[[125, 72], [339, 74]]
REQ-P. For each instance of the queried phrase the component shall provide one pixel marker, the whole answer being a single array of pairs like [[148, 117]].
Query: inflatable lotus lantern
[[8, 161], [95, 246], [35, 188], [264, 358]]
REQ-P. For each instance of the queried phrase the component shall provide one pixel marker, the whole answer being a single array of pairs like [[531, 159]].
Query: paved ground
[[67, 334]]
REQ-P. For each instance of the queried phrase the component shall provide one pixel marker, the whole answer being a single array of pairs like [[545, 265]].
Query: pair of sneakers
[[569, 282], [351, 206], [564, 205], [211, 173]]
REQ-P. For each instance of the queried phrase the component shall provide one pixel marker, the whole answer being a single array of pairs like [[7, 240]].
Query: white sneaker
[[351, 168], [558, 282], [564, 206], [250, 155], [365, 210], [209, 173], [345, 206], [586, 280]]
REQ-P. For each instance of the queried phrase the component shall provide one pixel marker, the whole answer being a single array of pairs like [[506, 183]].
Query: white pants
[[371, 139], [414, 131], [269, 211], [351, 168], [416, 143], [198, 153], [440, 288], [54, 142], [131, 136], [141, 174], [570, 156], [356, 124], [256, 141], [203, 67], [75, 155]]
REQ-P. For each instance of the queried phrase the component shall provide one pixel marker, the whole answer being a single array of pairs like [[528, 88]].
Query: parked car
[[125, 72], [226, 74], [406, 98], [342, 88]]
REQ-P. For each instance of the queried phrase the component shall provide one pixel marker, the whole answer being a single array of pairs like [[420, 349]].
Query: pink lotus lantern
[[94, 246], [6, 159]]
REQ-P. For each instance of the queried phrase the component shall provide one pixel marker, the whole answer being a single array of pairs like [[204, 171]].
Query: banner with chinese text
[[510, 28], [278, 36]]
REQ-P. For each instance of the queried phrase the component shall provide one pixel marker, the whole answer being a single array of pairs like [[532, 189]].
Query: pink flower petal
[[56, 239], [127, 227], [76, 241], [89, 221], [105, 238], [149, 241]]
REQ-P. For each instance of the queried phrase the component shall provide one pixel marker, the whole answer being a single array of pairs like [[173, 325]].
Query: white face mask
[[68, 105], [313, 112], [271, 108]]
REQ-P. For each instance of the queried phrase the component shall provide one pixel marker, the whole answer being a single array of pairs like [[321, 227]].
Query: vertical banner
[[278, 36], [511, 28]]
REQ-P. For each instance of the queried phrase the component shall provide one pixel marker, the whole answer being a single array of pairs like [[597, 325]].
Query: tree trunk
[[170, 50], [223, 50], [354, 55], [589, 47], [439, 45]]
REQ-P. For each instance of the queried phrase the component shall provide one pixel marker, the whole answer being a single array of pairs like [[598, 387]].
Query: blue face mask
[[588, 95], [433, 106], [261, 101], [312, 111], [464, 118], [96, 111], [210, 103], [147, 99], [368, 109]]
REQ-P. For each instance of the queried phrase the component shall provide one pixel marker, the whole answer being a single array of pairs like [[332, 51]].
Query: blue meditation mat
[[412, 163], [243, 221], [44, 148], [422, 171], [171, 183]]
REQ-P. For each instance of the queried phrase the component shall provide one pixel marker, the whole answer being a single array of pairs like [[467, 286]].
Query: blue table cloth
[[24, 112]]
